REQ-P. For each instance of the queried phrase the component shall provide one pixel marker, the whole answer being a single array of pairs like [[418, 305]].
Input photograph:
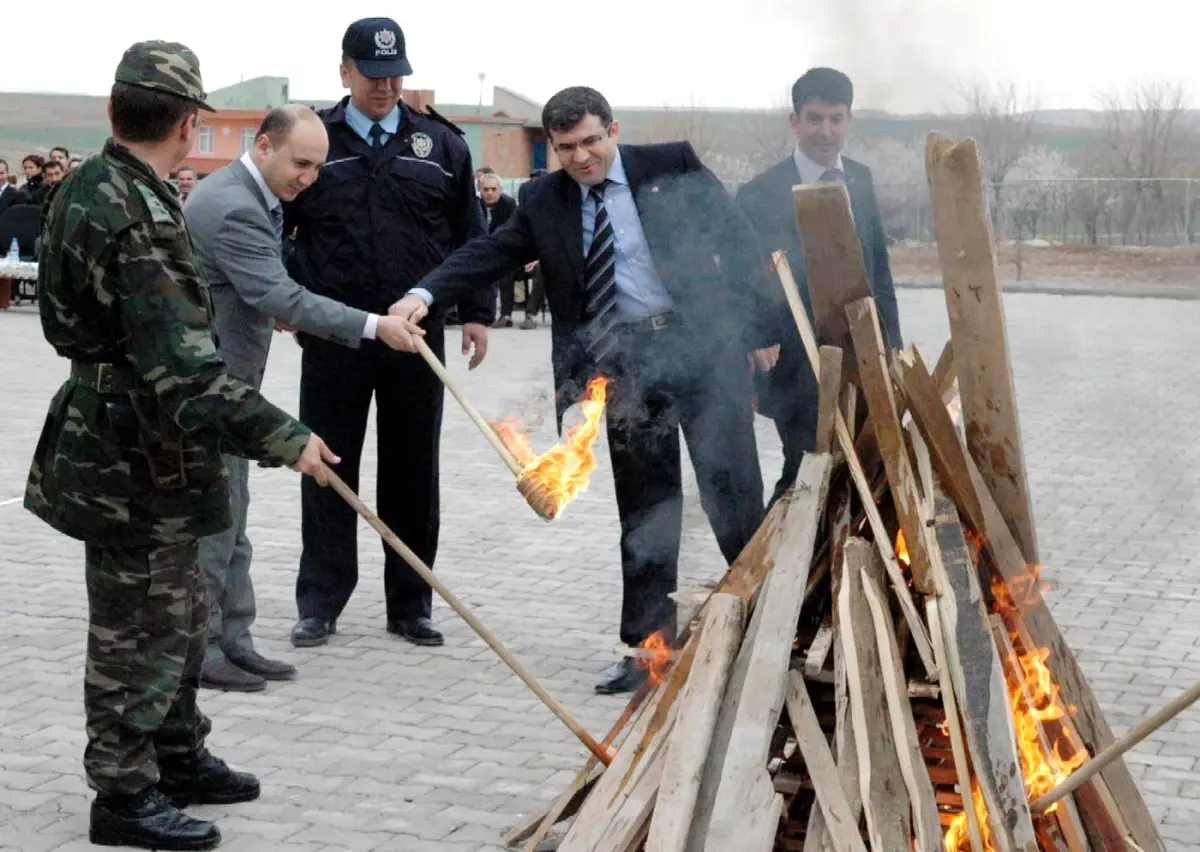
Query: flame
[[902, 549], [658, 660], [562, 471], [515, 436], [1035, 706]]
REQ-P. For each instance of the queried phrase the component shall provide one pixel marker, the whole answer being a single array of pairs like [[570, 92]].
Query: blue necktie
[[376, 137], [600, 283], [277, 220]]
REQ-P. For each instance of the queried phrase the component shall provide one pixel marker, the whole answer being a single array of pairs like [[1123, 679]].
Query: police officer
[[394, 198], [129, 457]]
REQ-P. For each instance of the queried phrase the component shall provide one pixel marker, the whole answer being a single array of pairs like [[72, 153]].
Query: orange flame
[[563, 471], [515, 436], [902, 549], [658, 660], [1048, 753]]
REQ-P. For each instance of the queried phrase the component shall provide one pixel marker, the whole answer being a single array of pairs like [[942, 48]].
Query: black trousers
[[798, 433], [336, 388], [535, 294], [661, 384]]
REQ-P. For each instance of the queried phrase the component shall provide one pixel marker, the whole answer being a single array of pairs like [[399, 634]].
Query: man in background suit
[[821, 99], [497, 207], [656, 281], [236, 221], [8, 194]]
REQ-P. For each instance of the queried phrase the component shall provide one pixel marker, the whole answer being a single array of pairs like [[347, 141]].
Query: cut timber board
[[976, 308], [978, 680], [881, 778], [754, 698], [687, 749], [877, 388], [841, 822]]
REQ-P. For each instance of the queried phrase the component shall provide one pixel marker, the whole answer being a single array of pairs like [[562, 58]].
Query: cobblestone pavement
[[380, 745]]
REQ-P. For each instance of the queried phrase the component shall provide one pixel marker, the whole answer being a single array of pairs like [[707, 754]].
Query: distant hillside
[[38, 122]]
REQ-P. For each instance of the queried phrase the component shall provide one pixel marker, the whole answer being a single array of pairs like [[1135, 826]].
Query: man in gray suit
[[236, 222]]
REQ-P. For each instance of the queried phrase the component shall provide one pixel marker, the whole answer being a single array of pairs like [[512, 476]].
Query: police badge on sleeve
[[422, 144]]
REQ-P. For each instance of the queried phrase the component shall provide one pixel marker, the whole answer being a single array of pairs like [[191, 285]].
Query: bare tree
[[692, 123], [1001, 120]]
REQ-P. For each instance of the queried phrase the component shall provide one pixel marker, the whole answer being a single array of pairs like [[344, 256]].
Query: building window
[[248, 136], [206, 145]]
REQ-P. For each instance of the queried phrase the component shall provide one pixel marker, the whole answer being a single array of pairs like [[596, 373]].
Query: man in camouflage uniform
[[129, 457]]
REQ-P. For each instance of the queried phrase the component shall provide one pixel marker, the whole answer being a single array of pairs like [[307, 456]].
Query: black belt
[[104, 378], [658, 322]]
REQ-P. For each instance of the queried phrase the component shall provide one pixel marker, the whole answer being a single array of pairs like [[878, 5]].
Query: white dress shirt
[[811, 172], [274, 203]]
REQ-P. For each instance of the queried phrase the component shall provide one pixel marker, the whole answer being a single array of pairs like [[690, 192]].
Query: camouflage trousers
[[147, 621]]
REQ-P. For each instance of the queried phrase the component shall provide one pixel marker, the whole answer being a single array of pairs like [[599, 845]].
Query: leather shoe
[[257, 664], [310, 632], [148, 821], [228, 677], [419, 631], [202, 779], [503, 322], [623, 676], [529, 323]]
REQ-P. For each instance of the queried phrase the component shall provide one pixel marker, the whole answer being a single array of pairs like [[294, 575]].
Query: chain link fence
[[1086, 211]]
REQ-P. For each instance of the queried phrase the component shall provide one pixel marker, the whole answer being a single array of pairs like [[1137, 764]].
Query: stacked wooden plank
[[878, 670]]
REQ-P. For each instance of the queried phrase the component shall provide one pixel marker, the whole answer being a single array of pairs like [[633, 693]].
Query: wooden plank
[[833, 260], [958, 745], [687, 750], [1066, 815], [753, 700], [819, 649], [1039, 630], [877, 388], [946, 450], [841, 821], [977, 328], [881, 779], [627, 828], [762, 817], [979, 684], [900, 714], [943, 371], [830, 384], [879, 531]]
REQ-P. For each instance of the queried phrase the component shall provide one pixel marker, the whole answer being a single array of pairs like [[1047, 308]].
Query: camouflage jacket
[[117, 285]]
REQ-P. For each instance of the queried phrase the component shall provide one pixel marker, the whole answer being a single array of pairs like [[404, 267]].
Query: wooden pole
[[1114, 751], [393, 541], [452, 385]]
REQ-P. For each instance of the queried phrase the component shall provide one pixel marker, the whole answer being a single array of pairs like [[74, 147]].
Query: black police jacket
[[374, 224]]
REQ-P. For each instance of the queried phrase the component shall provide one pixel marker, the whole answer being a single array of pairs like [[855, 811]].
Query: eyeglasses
[[566, 149]]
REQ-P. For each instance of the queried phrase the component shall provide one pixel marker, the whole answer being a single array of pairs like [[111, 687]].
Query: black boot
[[148, 821], [202, 779]]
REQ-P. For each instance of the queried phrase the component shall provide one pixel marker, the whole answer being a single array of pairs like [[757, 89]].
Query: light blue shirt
[[361, 125], [640, 292]]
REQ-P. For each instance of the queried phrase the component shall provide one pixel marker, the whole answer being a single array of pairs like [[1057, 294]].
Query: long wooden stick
[[1114, 751], [451, 385], [393, 541]]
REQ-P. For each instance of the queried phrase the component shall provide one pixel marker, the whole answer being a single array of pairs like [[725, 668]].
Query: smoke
[[904, 56]]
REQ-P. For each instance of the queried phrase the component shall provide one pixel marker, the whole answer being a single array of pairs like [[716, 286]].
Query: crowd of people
[[40, 174], [362, 228]]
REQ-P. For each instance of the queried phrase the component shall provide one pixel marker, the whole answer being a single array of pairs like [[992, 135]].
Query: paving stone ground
[[382, 746]]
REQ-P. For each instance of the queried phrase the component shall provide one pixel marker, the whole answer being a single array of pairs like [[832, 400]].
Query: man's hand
[[399, 333], [529, 267], [475, 335], [764, 360], [282, 326], [412, 308], [316, 456]]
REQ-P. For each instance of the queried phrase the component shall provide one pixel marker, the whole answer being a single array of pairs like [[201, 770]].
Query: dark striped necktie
[[833, 175], [277, 221], [600, 284]]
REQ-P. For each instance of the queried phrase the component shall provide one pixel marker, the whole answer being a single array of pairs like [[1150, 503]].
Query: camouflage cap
[[164, 66]]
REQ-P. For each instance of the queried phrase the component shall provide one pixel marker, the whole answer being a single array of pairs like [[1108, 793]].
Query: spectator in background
[[73, 164], [8, 193], [479, 173], [53, 173], [34, 189], [185, 182], [497, 208], [60, 154]]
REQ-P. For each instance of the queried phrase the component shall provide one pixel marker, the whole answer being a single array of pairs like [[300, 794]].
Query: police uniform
[[129, 462], [393, 200]]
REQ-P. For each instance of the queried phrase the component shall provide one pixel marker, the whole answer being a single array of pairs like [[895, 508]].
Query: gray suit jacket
[[242, 263]]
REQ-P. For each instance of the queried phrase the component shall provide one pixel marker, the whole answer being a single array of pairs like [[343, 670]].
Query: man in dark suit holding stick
[[655, 280], [822, 100]]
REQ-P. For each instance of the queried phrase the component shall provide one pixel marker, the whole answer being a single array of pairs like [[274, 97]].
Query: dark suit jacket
[[791, 388], [9, 196], [704, 250], [505, 207]]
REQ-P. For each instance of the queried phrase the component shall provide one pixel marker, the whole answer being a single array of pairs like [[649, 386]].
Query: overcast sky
[[904, 55]]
